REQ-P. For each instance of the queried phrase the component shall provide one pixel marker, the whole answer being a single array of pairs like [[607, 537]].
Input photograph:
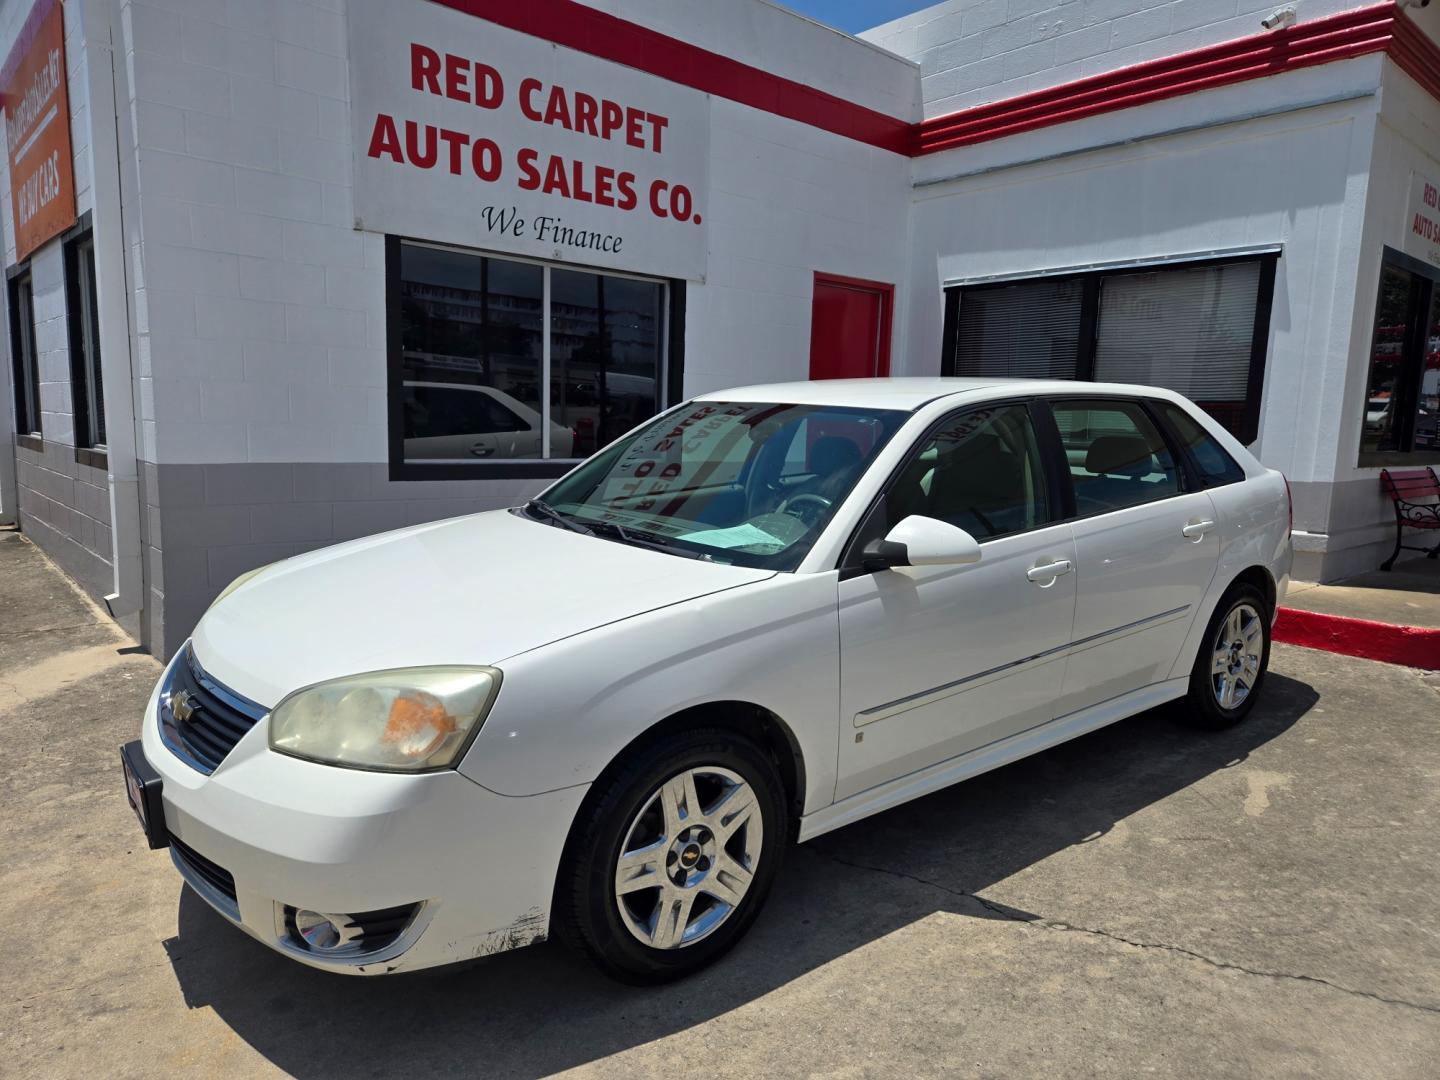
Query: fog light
[[343, 937], [323, 932]]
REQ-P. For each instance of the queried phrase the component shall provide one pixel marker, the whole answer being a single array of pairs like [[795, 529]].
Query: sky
[[855, 15]]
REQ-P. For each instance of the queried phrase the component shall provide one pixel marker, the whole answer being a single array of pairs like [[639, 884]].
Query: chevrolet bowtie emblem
[[182, 705]]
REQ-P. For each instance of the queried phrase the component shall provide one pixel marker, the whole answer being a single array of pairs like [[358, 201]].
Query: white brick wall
[[254, 283], [976, 51], [774, 38], [786, 201]]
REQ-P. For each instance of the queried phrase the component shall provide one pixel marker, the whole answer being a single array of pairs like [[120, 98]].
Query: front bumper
[[290, 832]]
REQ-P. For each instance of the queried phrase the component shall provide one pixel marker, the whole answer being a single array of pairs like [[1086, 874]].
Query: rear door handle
[[479, 449], [1196, 530], [1048, 572]]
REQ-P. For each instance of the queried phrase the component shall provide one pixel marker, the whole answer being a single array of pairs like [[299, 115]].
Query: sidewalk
[[1392, 616]]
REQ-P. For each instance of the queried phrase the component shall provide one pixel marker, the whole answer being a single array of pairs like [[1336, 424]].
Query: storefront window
[[22, 354], [1402, 393], [1199, 328], [86, 385], [605, 340], [473, 362], [1029, 329]]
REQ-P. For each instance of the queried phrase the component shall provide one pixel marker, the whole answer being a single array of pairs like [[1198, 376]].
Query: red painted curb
[[1413, 646]]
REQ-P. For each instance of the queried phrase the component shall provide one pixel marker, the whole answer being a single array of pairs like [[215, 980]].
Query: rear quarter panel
[[1253, 519]]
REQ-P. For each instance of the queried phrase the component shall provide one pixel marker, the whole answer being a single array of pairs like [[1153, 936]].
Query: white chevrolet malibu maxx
[[765, 614]]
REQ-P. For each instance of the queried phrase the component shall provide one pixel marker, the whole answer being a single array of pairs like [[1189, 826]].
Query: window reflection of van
[[463, 422], [595, 418], [1427, 424], [1377, 413]]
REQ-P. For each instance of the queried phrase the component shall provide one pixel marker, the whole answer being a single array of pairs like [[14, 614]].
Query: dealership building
[[281, 273]]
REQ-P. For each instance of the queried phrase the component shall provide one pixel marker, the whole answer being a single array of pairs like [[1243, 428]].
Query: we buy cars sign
[[37, 129], [471, 133]]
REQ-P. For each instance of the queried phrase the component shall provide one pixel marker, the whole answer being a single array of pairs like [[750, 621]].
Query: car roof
[[911, 393]]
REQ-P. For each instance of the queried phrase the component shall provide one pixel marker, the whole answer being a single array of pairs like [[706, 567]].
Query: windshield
[[751, 484]]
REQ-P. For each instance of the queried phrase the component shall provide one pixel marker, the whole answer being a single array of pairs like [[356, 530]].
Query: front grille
[[212, 874], [216, 717], [365, 933]]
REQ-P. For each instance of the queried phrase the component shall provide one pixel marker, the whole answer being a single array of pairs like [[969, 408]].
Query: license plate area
[[142, 789]]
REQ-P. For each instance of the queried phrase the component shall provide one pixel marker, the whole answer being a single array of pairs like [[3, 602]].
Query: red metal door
[[850, 328]]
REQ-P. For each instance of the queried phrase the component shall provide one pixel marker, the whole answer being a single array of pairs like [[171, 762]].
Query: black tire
[[587, 911], [1203, 708]]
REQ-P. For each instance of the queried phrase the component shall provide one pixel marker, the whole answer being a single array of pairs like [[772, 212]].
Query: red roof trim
[[1335, 37], [1416, 55], [577, 26], [1380, 27]]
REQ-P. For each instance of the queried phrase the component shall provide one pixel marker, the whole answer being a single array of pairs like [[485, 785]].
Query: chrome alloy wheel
[[688, 857], [1235, 664]]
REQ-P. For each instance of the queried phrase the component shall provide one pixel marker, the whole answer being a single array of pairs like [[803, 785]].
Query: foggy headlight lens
[[406, 720]]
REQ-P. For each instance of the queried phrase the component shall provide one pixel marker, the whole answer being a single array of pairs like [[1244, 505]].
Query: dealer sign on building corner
[[37, 129], [470, 133], [1422, 220]]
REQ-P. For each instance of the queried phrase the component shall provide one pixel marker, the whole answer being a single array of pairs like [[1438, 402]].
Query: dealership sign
[[1422, 220], [470, 133], [37, 129]]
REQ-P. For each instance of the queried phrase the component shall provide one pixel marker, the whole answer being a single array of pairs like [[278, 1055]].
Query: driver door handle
[[1196, 530], [1048, 572], [479, 449]]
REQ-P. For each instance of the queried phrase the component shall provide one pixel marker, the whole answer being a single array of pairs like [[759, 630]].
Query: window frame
[[1159, 411], [87, 388], [24, 361], [1412, 362], [1059, 484], [1091, 279], [1059, 500], [1190, 479], [672, 367]]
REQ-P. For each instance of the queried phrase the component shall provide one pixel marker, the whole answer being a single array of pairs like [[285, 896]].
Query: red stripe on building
[[599, 34], [1375, 28], [1416, 55], [1413, 646], [1321, 41]]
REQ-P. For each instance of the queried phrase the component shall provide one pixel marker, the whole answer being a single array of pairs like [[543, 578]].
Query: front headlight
[[405, 720]]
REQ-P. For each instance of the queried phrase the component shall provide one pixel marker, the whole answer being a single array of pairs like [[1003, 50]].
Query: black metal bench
[[1407, 488]]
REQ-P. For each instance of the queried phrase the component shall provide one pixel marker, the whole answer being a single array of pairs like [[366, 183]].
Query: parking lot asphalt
[[1259, 902]]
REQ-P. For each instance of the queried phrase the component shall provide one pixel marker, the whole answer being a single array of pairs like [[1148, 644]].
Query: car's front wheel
[[1234, 657], [670, 862]]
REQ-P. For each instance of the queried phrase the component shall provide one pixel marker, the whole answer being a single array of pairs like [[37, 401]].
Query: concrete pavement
[[1261, 902], [1408, 595]]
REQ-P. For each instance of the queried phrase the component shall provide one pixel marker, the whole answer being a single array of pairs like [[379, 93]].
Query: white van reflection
[[465, 422]]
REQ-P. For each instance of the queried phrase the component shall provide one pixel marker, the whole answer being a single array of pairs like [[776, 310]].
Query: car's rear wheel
[[670, 862], [1234, 657]]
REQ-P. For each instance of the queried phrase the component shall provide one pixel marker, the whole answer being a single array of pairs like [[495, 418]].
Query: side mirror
[[922, 541]]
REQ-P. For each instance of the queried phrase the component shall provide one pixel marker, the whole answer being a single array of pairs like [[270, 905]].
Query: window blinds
[[1188, 330], [1029, 330]]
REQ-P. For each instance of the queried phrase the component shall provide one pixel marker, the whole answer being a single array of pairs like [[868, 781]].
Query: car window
[[749, 483], [980, 471], [1116, 455], [432, 411], [1216, 467], [828, 447]]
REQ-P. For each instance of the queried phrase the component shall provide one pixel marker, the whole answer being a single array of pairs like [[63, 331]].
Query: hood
[[473, 590]]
